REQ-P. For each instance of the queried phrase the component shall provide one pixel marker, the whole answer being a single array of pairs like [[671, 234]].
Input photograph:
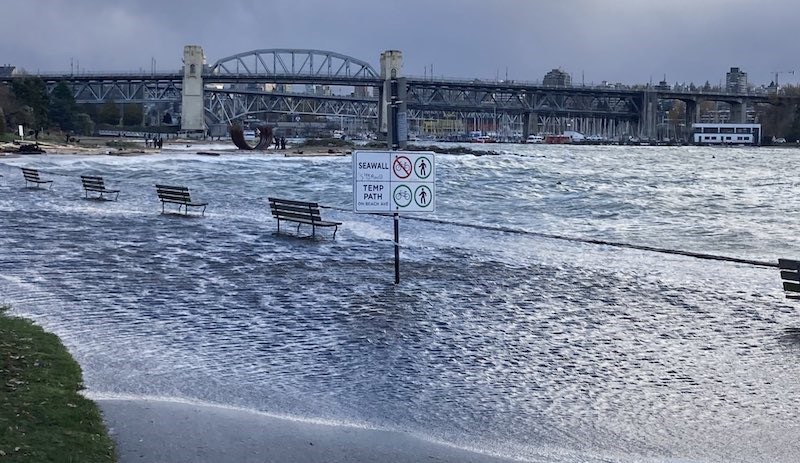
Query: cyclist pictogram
[[402, 167], [402, 196]]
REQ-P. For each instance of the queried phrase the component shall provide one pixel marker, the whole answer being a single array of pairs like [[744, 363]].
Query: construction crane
[[781, 72]]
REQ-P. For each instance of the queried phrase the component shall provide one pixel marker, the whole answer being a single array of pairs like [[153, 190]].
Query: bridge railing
[[100, 74], [512, 83]]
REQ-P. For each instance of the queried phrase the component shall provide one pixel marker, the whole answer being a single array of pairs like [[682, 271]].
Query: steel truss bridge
[[255, 83]]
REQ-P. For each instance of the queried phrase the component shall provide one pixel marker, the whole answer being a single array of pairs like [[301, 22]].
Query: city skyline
[[623, 41]]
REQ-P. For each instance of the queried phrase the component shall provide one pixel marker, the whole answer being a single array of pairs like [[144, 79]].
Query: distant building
[[7, 71], [557, 78], [362, 92], [727, 134], [736, 81]]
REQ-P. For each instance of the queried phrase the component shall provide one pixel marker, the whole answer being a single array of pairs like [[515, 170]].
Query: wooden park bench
[[177, 195], [790, 274], [32, 176], [96, 185], [300, 212]]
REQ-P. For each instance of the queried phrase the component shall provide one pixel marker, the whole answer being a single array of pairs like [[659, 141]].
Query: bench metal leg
[[163, 205], [298, 228], [334, 231]]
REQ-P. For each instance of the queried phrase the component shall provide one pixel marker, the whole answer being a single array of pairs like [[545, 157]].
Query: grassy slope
[[42, 417]]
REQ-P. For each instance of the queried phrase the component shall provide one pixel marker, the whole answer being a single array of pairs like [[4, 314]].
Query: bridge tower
[[192, 112]]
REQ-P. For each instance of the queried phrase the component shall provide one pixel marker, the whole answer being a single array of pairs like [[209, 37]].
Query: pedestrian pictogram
[[423, 196], [422, 167], [402, 167]]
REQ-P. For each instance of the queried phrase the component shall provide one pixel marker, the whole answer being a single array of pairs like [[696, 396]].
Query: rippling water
[[509, 343]]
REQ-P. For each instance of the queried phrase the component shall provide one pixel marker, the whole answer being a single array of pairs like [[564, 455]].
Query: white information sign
[[21, 131], [394, 181]]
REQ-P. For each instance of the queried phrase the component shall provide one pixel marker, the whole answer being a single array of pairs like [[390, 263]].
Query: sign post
[[394, 182]]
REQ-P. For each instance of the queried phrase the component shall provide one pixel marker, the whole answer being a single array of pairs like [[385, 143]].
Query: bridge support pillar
[[738, 113], [391, 68], [692, 111], [648, 116], [526, 125], [192, 108]]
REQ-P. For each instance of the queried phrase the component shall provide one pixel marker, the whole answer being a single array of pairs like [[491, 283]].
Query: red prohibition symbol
[[402, 167]]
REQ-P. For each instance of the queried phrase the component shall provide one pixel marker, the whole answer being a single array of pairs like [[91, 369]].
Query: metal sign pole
[[396, 248], [394, 144]]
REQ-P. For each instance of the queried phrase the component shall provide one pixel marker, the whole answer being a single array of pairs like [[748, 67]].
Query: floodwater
[[508, 343]]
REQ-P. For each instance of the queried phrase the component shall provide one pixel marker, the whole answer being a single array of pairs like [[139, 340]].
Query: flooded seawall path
[[514, 344]]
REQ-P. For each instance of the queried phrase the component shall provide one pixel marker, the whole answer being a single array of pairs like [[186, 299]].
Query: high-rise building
[[7, 70], [736, 81], [557, 78]]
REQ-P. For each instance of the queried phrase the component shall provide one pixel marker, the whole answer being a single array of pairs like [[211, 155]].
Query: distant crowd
[[155, 142]]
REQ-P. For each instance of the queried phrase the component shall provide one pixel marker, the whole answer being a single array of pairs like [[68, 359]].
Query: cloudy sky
[[630, 41]]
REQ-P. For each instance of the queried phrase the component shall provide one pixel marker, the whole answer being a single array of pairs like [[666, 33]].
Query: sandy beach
[[157, 431], [96, 146]]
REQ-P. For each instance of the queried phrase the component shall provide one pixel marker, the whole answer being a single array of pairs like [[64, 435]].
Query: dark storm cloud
[[620, 41]]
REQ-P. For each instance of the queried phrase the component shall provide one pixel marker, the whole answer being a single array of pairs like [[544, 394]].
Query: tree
[[108, 113], [167, 118], [8, 103], [32, 92], [25, 117], [781, 119], [132, 114], [82, 124], [62, 109], [2, 121], [90, 109]]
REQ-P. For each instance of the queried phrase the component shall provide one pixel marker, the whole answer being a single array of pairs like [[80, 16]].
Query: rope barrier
[[516, 231], [640, 247]]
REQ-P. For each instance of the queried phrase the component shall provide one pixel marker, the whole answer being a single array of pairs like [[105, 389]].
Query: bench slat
[[174, 196], [292, 202], [290, 216], [789, 264], [793, 287], [300, 209], [789, 275]]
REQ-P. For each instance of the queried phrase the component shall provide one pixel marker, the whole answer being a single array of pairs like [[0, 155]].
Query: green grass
[[42, 416]]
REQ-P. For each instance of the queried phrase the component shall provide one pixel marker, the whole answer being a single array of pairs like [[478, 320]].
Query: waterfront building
[[557, 78], [726, 134]]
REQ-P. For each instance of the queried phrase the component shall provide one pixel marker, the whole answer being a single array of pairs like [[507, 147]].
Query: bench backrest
[[92, 183], [173, 193], [790, 274], [30, 174], [290, 209]]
